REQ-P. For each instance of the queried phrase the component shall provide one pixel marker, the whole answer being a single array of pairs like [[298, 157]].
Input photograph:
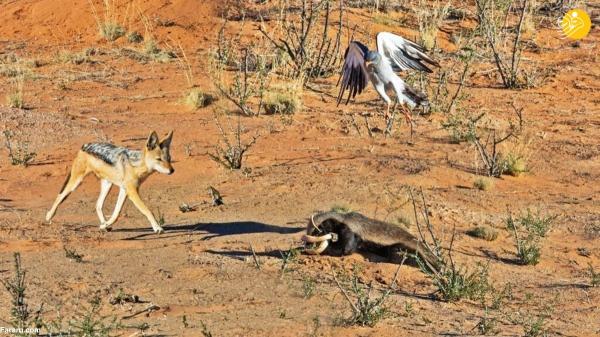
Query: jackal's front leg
[[105, 186], [134, 196], [115, 215]]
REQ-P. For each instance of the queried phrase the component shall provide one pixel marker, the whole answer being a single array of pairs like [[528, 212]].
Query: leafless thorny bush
[[252, 73], [495, 164], [230, 154], [376, 5], [453, 282], [443, 98], [306, 38], [494, 18]]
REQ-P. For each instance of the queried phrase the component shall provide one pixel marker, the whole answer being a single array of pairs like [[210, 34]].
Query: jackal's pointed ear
[[167, 141], [152, 141]]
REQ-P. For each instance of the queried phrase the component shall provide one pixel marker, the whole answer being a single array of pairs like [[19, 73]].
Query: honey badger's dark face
[[322, 234]]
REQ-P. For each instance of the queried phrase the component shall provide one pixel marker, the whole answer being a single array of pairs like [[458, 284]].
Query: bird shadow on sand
[[210, 230]]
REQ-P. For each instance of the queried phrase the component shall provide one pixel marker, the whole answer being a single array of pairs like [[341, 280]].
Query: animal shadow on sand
[[211, 230]]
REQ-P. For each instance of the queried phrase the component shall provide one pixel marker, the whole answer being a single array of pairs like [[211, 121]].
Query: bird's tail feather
[[415, 96]]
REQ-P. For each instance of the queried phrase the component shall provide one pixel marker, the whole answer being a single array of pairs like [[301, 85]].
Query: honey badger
[[349, 232]]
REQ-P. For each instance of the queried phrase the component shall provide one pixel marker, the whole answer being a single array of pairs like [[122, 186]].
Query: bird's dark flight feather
[[354, 73]]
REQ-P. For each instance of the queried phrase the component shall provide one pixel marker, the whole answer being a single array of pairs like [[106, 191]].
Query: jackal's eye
[[159, 159]]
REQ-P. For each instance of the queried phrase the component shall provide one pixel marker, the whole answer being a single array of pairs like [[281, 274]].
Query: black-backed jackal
[[123, 167]]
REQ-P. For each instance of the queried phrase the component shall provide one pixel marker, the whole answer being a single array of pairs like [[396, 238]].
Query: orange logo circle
[[576, 24]]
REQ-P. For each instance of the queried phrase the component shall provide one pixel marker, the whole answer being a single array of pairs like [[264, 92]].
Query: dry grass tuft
[[197, 99], [483, 232]]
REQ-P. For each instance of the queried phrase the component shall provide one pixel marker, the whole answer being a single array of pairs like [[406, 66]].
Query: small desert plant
[[108, 25], [156, 54], [71, 254], [461, 127], [134, 37], [285, 102], [487, 324], [366, 311], [65, 56], [594, 276], [231, 155], [515, 164], [315, 327], [430, 20], [111, 30], [483, 232], [309, 285], [288, 257], [341, 209], [535, 327], [18, 151], [453, 282], [197, 98], [482, 184], [528, 248], [20, 314], [533, 223], [160, 218], [14, 98], [90, 323]]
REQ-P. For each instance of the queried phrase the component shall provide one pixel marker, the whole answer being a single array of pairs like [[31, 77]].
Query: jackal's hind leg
[[105, 186], [78, 172], [115, 215]]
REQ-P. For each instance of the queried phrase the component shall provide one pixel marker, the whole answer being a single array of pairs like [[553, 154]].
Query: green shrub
[[454, 283], [514, 165]]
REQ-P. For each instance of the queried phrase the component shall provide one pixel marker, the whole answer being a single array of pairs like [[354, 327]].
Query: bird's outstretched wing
[[354, 73], [403, 54]]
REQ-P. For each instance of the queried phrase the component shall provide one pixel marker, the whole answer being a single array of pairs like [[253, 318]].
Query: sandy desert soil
[[202, 267]]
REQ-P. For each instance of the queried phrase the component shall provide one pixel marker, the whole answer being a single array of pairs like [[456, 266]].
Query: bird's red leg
[[408, 118], [407, 115], [387, 112]]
